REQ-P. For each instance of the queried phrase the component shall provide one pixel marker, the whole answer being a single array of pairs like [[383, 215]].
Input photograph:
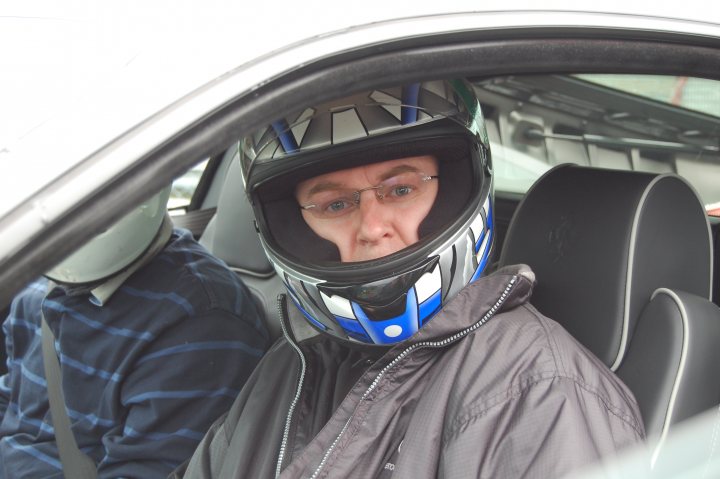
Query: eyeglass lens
[[397, 189]]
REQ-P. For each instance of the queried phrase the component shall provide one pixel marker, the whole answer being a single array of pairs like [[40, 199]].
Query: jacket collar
[[508, 287]]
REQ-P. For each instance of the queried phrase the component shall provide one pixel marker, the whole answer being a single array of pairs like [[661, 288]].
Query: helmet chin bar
[[389, 310], [384, 298]]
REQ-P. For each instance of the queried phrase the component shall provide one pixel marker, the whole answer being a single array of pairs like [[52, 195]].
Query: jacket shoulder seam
[[479, 410], [554, 347]]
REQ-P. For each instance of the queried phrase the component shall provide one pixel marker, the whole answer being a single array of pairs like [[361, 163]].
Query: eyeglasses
[[335, 203]]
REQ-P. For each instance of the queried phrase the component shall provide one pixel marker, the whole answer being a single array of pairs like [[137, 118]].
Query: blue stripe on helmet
[[408, 322], [489, 219], [310, 317], [478, 243], [354, 329], [409, 112], [287, 140]]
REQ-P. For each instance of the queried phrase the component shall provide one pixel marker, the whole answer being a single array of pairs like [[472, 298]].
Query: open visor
[[462, 176]]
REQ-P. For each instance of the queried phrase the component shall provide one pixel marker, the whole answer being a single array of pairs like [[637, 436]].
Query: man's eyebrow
[[396, 170], [324, 186], [333, 185]]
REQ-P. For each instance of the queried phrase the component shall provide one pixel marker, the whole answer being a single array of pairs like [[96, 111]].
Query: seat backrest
[[231, 236], [623, 261]]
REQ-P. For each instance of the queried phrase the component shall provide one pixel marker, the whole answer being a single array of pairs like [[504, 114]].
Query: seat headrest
[[231, 234], [601, 242]]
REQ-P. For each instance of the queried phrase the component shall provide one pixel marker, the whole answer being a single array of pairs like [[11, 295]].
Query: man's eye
[[401, 190], [337, 206]]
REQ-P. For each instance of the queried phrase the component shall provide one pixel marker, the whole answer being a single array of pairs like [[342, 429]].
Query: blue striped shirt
[[144, 375]]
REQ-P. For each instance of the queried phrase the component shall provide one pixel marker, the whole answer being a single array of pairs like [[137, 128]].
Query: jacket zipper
[[405, 353], [296, 398]]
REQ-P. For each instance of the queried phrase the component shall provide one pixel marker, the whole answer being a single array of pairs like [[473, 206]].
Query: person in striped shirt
[[155, 338]]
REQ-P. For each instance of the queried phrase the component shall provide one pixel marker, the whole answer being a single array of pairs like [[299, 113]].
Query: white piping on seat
[[631, 259], [680, 371], [629, 275]]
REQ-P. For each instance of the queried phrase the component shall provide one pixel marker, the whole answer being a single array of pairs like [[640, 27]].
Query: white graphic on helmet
[[483, 238], [354, 120], [423, 300]]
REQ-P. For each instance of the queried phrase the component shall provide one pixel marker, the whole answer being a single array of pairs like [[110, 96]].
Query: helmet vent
[[388, 311]]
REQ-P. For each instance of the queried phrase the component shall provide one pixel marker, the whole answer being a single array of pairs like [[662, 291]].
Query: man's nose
[[375, 218]]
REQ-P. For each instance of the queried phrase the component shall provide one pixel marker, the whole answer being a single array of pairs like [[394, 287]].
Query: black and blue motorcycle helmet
[[385, 300]]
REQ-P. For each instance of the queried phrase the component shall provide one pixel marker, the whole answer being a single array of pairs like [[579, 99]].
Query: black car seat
[[232, 237], [623, 261]]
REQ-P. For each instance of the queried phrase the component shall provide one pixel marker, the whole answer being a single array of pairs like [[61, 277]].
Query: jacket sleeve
[[253, 439], [181, 385], [209, 456], [546, 429]]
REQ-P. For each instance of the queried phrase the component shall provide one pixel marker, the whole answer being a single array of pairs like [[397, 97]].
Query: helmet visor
[[370, 204]]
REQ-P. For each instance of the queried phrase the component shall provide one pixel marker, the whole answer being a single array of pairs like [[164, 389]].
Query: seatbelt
[[75, 463]]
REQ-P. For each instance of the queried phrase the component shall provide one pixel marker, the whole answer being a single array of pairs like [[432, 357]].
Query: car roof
[[130, 75]]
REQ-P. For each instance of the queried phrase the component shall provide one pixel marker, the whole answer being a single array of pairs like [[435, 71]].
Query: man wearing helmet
[[144, 322], [400, 357]]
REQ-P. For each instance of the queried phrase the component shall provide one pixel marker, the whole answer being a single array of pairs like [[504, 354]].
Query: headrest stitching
[[680, 371]]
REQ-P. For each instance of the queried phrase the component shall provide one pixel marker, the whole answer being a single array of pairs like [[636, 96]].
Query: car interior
[[623, 255], [581, 126]]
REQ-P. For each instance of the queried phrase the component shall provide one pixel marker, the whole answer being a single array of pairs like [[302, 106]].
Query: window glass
[[697, 94], [184, 187], [659, 124]]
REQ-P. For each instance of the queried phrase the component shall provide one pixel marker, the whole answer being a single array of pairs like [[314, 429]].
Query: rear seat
[[231, 236]]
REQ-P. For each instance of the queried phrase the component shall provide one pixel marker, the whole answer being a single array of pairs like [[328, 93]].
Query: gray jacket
[[488, 388]]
